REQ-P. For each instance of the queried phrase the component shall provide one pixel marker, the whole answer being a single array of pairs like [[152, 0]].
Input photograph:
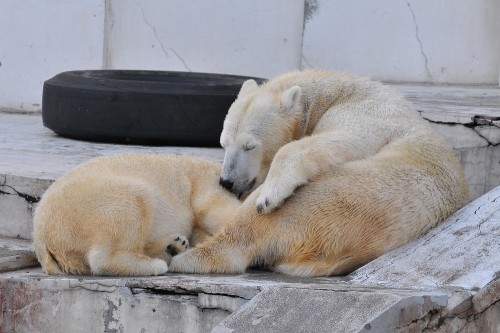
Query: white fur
[[127, 214], [347, 169]]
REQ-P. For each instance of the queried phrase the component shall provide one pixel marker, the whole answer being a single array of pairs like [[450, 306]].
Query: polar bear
[[347, 169], [127, 214]]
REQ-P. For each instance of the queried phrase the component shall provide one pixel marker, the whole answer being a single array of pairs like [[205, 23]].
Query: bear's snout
[[227, 184]]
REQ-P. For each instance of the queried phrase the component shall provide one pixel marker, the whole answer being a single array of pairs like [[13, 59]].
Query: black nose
[[227, 184]]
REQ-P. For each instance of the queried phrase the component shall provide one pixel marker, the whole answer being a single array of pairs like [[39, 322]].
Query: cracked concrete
[[308, 64], [282, 305], [18, 198], [490, 133], [163, 48], [16, 254], [449, 248], [29, 198], [467, 118], [38, 304], [419, 41], [467, 320], [405, 41]]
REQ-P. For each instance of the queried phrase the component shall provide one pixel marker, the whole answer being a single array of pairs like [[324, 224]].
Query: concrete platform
[[16, 254], [446, 281]]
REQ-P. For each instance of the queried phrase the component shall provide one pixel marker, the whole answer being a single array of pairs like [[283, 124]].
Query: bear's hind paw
[[178, 245]]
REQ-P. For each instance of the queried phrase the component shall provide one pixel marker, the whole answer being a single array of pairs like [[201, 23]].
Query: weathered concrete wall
[[254, 302], [452, 41], [316, 310], [467, 118], [18, 198], [68, 306], [16, 254], [256, 38]]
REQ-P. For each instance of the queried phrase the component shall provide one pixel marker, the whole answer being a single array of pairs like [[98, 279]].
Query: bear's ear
[[247, 87], [290, 99]]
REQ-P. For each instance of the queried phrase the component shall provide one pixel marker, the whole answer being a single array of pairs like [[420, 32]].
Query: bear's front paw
[[178, 245], [262, 204], [273, 195], [269, 200]]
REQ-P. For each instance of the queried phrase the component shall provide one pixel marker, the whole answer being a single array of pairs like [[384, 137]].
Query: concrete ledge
[[16, 254], [460, 253], [18, 198], [304, 310], [31, 301], [468, 118]]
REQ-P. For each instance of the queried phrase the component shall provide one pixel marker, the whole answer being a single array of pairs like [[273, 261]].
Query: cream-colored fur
[[348, 170], [125, 214]]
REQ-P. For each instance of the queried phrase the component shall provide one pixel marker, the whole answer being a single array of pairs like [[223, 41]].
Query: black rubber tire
[[140, 107]]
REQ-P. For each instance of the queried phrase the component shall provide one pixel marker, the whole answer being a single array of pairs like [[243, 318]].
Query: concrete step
[[445, 281], [16, 254]]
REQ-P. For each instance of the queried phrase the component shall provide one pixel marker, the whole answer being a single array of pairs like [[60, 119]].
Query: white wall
[[39, 39], [258, 37], [441, 41]]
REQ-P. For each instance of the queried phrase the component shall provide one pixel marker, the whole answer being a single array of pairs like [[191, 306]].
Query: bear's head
[[260, 121]]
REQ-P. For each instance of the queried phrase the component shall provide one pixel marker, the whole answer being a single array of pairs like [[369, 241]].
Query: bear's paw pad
[[178, 245]]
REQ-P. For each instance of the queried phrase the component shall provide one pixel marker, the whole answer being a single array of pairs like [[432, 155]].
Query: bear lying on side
[[349, 170], [128, 214]]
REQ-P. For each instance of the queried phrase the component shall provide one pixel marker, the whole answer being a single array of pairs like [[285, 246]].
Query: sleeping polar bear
[[348, 170], [127, 214]]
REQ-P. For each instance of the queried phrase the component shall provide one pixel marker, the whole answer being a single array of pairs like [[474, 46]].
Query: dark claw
[[260, 207], [177, 239], [183, 242]]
